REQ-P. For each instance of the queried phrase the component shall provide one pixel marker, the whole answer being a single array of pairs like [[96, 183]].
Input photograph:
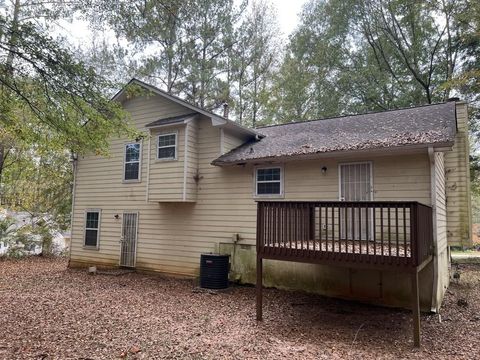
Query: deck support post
[[259, 287], [415, 309]]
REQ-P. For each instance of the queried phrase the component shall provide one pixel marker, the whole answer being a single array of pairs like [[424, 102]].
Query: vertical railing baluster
[[413, 234], [290, 227], [345, 230], [320, 225], [333, 228], [339, 241], [360, 228], [353, 230], [274, 224], [374, 230], [382, 236], [295, 230], [396, 231], [404, 231], [326, 227], [367, 224], [389, 232]]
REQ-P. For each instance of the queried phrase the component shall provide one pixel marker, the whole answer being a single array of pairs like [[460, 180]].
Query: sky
[[288, 11]]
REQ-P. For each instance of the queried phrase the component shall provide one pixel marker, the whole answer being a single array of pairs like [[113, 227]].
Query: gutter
[[444, 146]]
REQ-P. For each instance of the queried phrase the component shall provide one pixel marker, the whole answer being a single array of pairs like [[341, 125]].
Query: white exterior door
[[355, 184], [128, 242]]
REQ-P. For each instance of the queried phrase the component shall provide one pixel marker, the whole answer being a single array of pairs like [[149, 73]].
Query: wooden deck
[[391, 236]]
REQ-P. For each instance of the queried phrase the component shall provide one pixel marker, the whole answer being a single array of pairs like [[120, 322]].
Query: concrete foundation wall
[[370, 286]]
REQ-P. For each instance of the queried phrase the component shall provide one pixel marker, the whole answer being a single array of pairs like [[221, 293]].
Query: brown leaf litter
[[51, 312]]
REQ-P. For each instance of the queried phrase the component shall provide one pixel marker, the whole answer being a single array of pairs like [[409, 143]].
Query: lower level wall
[[371, 286]]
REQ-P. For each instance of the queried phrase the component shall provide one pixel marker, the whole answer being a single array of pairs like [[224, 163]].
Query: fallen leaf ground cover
[[48, 311]]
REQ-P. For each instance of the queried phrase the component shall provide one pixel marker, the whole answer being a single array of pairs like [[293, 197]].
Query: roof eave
[[440, 146], [217, 120]]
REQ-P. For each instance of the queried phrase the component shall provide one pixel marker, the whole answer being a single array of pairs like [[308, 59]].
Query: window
[[132, 162], [92, 228], [269, 181], [167, 147]]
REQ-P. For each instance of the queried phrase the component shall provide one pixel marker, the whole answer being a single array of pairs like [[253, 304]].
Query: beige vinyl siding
[[458, 184], [191, 161], [172, 235], [440, 202], [166, 176], [99, 184], [441, 251], [231, 141]]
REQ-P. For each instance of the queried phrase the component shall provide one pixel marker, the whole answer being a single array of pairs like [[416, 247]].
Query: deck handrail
[[375, 232]]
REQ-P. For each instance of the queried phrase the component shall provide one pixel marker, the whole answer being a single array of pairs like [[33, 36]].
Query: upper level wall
[[166, 177], [230, 141], [457, 181]]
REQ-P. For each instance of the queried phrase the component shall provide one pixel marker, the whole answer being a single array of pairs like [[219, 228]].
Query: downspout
[[433, 196], [74, 159]]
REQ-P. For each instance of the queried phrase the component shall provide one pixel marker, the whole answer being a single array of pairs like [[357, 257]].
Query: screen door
[[128, 242], [356, 185]]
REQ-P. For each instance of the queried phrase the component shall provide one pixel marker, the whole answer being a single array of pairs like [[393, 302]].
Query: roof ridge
[[352, 115]]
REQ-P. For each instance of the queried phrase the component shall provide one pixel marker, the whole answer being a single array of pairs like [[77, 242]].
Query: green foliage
[[355, 56], [39, 181], [46, 92], [18, 240]]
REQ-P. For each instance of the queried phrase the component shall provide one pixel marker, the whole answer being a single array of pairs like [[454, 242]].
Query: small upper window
[[167, 147], [269, 181], [92, 227], [132, 162]]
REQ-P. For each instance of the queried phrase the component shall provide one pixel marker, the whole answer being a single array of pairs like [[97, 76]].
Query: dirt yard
[[50, 312]]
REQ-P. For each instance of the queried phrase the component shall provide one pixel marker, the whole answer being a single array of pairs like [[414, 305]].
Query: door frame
[[370, 162], [136, 239]]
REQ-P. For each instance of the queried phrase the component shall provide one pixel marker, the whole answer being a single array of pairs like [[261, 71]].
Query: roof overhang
[[394, 150], [217, 120]]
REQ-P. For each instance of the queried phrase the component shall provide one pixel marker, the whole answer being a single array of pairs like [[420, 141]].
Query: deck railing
[[390, 233]]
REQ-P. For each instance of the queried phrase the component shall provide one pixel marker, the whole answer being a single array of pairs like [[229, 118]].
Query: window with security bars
[[269, 181], [167, 147], [92, 227], [132, 162]]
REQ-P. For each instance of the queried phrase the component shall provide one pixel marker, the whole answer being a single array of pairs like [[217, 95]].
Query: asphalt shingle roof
[[430, 124]]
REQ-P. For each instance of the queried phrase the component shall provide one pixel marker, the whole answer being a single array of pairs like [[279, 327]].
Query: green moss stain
[[387, 288]]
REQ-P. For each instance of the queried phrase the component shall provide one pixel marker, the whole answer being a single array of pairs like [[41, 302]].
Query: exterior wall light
[[324, 170]]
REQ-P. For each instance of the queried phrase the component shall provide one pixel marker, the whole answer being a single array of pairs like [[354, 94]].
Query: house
[[361, 206]]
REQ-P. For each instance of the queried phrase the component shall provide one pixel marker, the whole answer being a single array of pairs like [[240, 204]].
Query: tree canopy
[[344, 57]]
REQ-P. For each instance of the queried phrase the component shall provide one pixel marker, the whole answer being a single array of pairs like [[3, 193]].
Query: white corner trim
[[185, 164], [72, 215], [433, 200], [149, 150]]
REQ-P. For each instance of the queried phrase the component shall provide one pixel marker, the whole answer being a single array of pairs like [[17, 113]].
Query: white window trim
[[99, 211], [139, 179], [158, 146], [282, 177]]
